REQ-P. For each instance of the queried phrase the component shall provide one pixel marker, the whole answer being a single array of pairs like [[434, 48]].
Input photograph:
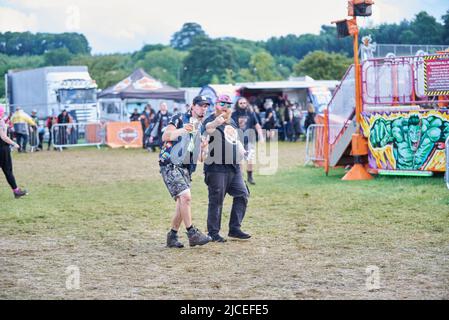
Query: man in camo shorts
[[177, 159]]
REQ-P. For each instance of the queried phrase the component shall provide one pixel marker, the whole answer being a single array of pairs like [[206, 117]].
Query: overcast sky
[[126, 25]]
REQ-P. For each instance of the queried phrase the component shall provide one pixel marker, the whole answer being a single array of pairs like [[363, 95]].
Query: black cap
[[200, 100]]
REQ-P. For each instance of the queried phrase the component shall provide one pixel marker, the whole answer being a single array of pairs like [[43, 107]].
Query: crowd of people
[[23, 131], [29, 131], [286, 117]]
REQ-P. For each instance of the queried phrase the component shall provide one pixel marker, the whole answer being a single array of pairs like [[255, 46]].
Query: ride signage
[[436, 75]]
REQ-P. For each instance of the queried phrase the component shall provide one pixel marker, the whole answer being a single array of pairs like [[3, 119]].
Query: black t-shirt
[[164, 120], [185, 150], [223, 147], [245, 119], [63, 119], [272, 120]]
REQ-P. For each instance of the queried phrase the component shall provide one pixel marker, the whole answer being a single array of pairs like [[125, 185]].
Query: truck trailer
[[50, 90]]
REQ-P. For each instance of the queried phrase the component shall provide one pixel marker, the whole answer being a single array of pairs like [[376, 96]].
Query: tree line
[[194, 59]]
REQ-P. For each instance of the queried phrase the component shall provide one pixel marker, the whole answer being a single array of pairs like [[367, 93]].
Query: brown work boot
[[172, 240], [196, 238]]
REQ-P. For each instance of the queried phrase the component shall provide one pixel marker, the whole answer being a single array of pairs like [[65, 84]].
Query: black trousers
[[49, 138], [220, 183], [41, 140], [6, 165]]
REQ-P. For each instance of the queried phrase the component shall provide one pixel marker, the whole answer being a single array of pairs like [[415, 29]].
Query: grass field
[[107, 212]]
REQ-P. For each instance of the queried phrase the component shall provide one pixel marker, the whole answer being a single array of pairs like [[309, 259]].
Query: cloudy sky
[[126, 25]]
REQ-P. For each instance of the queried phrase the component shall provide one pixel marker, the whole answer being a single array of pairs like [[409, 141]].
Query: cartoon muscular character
[[413, 139]]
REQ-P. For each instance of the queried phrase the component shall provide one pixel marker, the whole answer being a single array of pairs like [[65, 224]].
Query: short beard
[[226, 114]]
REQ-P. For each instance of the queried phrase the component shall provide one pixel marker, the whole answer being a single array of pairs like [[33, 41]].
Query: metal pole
[[358, 100], [326, 141]]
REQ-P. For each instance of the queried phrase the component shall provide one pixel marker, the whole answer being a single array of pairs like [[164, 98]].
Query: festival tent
[[135, 92]]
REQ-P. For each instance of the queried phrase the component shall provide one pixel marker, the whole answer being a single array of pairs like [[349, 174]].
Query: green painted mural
[[407, 140]]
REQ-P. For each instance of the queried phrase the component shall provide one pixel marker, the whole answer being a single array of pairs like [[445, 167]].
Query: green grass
[[108, 211]]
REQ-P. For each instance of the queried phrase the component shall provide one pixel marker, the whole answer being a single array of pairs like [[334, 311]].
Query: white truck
[[50, 90]]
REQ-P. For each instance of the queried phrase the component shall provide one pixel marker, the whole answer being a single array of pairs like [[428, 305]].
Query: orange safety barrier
[[124, 134], [319, 141], [93, 132]]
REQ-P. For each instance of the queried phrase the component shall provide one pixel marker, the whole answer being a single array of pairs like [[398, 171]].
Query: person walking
[[5, 157], [222, 171], [49, 123], [288, 122], [23, 124], [297, 118], [310, 117], [64, 131], [177, 161], [39, 131], [247, 120], [271, 119], [160, 122], [146, 119]]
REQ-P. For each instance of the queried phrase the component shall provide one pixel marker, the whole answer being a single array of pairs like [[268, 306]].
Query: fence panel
[[395, 81], [78, 135], [33, 139], [315, 142], [387, 81], [406, 49]]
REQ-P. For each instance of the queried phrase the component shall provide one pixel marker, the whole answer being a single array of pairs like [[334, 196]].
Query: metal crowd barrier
[[34, 139], [312, 153], [69, 135], [315, 142]]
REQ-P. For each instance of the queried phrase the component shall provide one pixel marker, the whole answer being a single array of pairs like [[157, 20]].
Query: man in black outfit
[[64, 131], [246, 119], [222, 171], [160, 122]]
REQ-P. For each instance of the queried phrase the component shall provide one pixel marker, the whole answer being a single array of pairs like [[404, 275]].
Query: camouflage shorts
[[176, 178]]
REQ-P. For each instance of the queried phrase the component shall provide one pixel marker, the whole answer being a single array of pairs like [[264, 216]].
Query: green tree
[[215, 79], [57, 57], [169, 60], [285, 65], [321, 65], [208, 58], [26, 43], [245, 75], [185, 38], [106, 69], [408, 37], [164, 76], [140, 55], [243, 49], [264, 67], [426, 29]]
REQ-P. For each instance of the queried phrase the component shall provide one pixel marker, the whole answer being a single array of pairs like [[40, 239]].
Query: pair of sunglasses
[[225, 104]]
